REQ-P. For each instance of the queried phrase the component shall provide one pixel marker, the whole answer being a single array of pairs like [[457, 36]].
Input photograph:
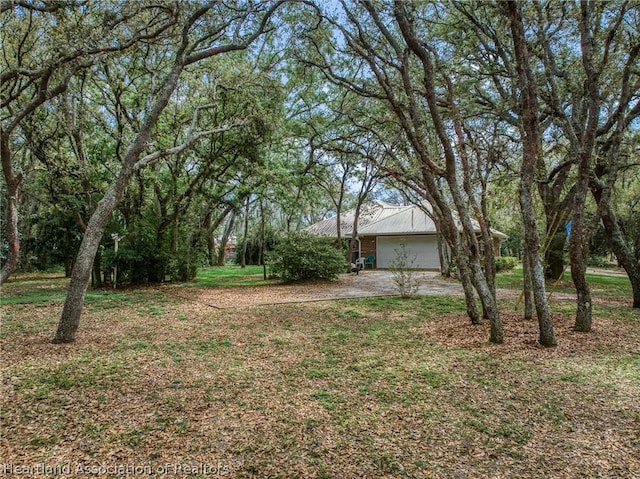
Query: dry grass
[[358, 388]]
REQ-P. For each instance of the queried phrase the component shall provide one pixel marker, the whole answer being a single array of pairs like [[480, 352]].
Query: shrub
[[505, 263], [301, 256], [596, 261], [407, 283]]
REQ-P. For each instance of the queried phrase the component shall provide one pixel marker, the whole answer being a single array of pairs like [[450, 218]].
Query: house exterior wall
[[368, 246]]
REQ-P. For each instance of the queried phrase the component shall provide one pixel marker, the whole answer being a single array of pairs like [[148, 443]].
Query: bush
[[596, 261], [404, 277], [505, 263], [301, 256]]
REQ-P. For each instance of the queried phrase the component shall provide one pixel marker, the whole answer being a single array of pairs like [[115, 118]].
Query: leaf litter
[[305, 390]]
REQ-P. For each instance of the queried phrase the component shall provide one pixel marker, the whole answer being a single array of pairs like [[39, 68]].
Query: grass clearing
[[601, 284], [357, 388], [230, 275]]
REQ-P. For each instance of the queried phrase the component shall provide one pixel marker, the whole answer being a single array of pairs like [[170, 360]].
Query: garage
[[383, 226], [422, 251]]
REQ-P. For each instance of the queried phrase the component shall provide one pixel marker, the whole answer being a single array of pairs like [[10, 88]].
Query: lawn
[[250, 275], [159, 386], [600, 284]]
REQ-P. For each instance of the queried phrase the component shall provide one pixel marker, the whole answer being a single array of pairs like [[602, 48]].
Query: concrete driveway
[[380, 283], [369, 283]]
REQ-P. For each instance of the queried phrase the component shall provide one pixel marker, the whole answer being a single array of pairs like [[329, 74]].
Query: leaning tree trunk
[[467, 286], [616, 241], [451, 170], [625, 257], [70, 319], [489, 304]]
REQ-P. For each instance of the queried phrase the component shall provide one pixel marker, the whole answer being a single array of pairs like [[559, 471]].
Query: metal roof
[[380, 218]]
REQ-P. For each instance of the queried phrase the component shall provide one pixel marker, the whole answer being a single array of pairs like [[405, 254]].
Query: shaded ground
[[161, 385]]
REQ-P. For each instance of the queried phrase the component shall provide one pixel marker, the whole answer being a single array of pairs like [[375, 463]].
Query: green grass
[[230, 275], [114, 298], [32, 297], [606, 285], [76, 374], [52, 288]]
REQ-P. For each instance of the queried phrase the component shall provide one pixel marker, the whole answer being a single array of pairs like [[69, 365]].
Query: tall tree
[[43, 48], [530, 131], [200, 33], [593, 103], [387, 63]]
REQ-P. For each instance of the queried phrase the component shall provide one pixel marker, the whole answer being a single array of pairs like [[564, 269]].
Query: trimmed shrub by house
[[301, 256], [505, 263]]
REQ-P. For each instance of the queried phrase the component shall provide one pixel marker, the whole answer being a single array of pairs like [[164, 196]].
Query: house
[[383, 228]]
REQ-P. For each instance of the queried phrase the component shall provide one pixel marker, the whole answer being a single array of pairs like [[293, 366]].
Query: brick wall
[[367, 246]]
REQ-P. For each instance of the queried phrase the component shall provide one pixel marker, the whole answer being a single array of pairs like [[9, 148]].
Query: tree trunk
[[527, 289], [13, 190], [211, 229], [616, 242], [96, 277], [211, 250], [70, 319], [578, 251], [468, 288], [624, 255], [132, 162], [554, 255], [489, 304], [225, 239], [469, 244], [443, 254], [245, 233], [530, 149]]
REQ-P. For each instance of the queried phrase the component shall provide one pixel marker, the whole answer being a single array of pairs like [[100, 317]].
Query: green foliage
[[301, 256], [144, 256], [505, 263], [598, 246], [255, 246], [512, 246], [53, 241], [597, 261]]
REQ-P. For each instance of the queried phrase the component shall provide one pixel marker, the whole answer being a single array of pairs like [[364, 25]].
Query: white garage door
[[422, 251]]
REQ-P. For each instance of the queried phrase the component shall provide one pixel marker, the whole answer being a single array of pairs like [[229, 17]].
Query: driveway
[[381, 283], [369, 283]]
